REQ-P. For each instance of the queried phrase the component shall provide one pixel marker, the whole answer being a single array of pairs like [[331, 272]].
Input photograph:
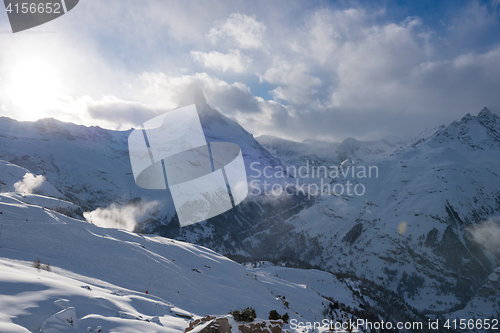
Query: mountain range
[[419, 231]]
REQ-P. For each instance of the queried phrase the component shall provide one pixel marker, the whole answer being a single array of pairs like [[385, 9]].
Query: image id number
[[33, 7]]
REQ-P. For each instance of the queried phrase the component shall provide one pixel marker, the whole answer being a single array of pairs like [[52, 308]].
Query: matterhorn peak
[[192, 95]]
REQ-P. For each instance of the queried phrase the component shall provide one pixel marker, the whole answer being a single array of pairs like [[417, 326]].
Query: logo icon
[[26, 14], [205, 178]]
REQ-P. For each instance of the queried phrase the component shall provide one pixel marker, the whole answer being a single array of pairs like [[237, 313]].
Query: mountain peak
[[468, 117], [192, 95], [474, 132], [350, 141], [484, 117], [487, 115]]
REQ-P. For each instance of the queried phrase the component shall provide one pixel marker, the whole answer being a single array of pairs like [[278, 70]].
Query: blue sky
[[294, 69]]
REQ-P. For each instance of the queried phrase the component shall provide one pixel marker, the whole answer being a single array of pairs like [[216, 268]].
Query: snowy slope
[[34, 300], [99, 276], [12, 174]]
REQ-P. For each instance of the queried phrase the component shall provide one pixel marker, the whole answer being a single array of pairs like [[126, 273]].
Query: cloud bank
[[292, 69]]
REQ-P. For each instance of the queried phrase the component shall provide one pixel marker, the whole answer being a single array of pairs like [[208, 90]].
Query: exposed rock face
[[266, 326], [212, 324], [197, 322]]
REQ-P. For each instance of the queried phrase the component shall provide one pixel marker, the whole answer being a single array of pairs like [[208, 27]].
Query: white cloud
[[370, 71], [125, 114], [323, 41], [294, 83], [245, 31], [232, 61], [169, 90], [487, 234], [108, 112], [29, 183], [234, 100]]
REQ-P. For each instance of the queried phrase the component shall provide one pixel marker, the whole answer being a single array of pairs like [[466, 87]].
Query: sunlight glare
[[34, 88]]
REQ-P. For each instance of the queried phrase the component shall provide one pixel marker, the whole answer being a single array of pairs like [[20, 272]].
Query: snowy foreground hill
[[98, 278]]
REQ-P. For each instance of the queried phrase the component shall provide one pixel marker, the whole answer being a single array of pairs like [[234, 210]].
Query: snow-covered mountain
[[364, 150], [91, 166], [94, 279], [328, 153], [413, 230]]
